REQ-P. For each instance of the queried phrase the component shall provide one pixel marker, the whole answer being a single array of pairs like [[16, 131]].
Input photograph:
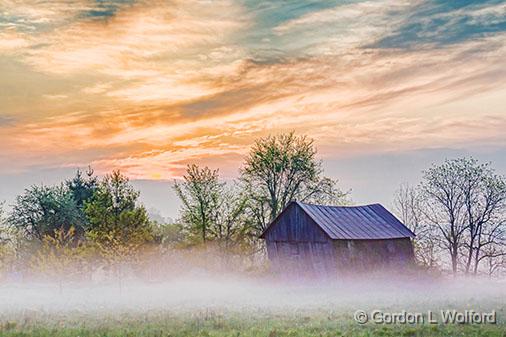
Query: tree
[[445, 206], [168, 235], [492, 249], [466, 201], [3, 224], [117, 250], [61, 256], [119, 226], [211, 210], [114, 209], [485, 205], [231, 228], [280, 169], [6, 253], [200, 193], [43, 209], [409, 206], [82, 186]]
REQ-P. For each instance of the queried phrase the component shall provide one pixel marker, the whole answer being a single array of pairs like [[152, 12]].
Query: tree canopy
[[41, 210], [460, 208], [114, 208], [283, 168], [210, 209]]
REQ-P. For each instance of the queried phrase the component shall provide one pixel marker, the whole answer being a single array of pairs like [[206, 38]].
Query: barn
[[337, 240]]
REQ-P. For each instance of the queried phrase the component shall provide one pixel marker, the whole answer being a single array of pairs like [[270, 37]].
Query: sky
[[384, 87]]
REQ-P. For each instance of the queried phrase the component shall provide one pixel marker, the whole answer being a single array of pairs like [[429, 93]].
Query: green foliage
[[41, 210], [200, 193], [114, 209], [118, 226], [233, 227], [280, 169], [211, 211], [62, 256], [82, 186], [168, 235]]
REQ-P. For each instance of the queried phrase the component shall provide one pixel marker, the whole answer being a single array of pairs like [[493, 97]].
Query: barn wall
[[360, 255], [296, 244], [302, 258]]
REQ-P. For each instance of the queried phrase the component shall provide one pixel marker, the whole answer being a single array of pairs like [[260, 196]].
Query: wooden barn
[[337, 240]]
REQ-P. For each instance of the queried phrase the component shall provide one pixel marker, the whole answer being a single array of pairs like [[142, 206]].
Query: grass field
[[234, 324]]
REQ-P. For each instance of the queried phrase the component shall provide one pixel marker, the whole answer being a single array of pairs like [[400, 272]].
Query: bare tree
[[466, 202], [445, 206], [485, 204], [408, 205], [491, 248], [495, 258]]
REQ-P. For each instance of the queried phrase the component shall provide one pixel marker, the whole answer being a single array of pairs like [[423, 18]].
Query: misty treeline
[[89, 225], [458, 213]]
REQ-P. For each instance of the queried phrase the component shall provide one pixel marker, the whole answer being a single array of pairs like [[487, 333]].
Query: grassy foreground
[[230, 324]]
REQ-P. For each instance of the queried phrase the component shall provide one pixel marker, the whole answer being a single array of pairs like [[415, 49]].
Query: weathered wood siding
[[362, 255], [295, 225], [296, 244]]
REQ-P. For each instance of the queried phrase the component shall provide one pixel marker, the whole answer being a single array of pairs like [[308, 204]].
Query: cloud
[[447, 22], [6, 121], [55, 97], [346, 26], [11, 42], [136, 36], [345, 14], [198, 81], [160, 51], [98, 88], [30, 16]]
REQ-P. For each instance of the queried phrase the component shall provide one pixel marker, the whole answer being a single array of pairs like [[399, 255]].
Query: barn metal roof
[[357, 222]]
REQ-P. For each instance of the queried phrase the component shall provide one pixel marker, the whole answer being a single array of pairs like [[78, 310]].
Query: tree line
[[56, 228], [457, 212]]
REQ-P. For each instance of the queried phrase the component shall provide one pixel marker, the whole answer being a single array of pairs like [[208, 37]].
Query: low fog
[[210, 291]]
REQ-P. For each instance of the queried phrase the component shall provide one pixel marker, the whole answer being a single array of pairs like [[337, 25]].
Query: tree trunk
[[454, 256], [476, 260], [470, 254]]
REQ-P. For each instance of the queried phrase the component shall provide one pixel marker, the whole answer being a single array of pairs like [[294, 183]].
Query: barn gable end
[[294, 224]]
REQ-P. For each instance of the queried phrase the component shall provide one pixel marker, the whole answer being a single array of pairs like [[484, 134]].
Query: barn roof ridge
[[337, 206]]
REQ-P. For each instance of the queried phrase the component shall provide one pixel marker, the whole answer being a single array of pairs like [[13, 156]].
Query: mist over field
[[207, 291]]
